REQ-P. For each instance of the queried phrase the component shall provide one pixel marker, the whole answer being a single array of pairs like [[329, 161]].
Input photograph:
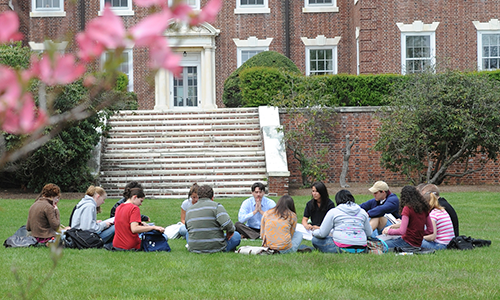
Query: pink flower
[[9, 28], [106, 31], [208, 13], [148, 3], [22, 120], [182, 11], [150, 28], [160, 56], [89, 48], [58, 69], [10, 88]]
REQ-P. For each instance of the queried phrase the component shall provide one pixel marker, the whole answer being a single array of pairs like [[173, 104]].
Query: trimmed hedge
[[232, 93], [259, 86]]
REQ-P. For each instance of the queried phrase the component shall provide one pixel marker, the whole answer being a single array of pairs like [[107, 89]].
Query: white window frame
[[196, 6], [119, 11], [252, 9], [321, 43], [418, 28], [320, 8], [130, 52], [357, 50], [491, 27], [251, 44], [47, 12], [48, 44]]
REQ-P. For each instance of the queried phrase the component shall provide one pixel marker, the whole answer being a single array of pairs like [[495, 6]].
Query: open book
[[110, 220], [385, 237], [392, 218]]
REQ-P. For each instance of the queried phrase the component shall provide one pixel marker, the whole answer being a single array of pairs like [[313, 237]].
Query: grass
[[101, 274]]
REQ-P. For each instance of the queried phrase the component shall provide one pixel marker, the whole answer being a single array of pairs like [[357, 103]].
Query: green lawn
[[101, 274]]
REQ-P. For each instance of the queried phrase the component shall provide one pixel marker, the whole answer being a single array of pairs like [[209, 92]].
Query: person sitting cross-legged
[[206, 222], [384, 202], [251, 212]]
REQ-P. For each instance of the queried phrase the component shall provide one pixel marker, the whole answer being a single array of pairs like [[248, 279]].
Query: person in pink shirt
[[441, 224]]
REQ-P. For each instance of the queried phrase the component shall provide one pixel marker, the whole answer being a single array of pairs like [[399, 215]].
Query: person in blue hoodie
[[384, 202], [84, 215], [350, 224]]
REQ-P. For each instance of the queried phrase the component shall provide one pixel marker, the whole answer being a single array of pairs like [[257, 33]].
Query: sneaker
[[304, 249]]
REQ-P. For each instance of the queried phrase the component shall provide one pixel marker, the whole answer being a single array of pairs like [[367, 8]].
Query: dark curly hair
[[411, 197], [51, 190]]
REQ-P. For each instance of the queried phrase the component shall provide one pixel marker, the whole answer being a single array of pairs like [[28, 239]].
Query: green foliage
[[15, 55], [121, 82], [261, 84], [232, 94], [436, 120], [63, 159], [108, 274]]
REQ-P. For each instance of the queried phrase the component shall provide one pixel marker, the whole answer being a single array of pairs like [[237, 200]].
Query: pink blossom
[[22, 120], [10, 88], [182, 11], [160, 56], [150, 28], [89, 49], [208, 13], [106, 31], [57, 69], [9, 28], [148, 3]]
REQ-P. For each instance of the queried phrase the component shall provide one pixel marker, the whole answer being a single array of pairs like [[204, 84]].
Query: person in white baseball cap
[[384, 202]]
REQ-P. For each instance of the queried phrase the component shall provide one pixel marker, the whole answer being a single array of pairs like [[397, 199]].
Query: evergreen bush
[[232, 93]]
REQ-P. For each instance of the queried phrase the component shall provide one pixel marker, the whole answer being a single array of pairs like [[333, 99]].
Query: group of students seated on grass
[[419, 218]]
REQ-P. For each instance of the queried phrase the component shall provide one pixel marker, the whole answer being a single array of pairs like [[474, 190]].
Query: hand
[[258, 208], [314, 227], [109, 224], [229, 235], [159, 228], [385, 231], [98, 221]]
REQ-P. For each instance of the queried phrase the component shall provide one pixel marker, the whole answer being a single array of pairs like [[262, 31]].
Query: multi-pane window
[[321, 61], [251, 2], [320, 6], [490, 50], [321, 2], [186, 87], [117, 3], [48, 4], [247, 54], [252, 7], [47, 8], [126, 67], [418, 53], [119, 7]]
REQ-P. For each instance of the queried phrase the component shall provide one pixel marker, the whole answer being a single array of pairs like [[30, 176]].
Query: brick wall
[[364, 163]]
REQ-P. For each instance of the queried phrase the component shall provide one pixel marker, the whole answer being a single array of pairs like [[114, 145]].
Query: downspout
[[82, 15], [287, 28]]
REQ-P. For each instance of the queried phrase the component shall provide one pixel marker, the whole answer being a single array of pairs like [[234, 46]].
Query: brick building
[[320, 36]]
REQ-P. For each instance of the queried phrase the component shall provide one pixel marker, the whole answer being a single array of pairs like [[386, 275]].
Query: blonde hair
[[92, 190], [433, 200]]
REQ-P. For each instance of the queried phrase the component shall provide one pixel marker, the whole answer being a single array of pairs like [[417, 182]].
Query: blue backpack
[[154, 240]]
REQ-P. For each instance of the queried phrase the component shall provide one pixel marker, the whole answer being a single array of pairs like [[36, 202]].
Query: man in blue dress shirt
[[251, 212]]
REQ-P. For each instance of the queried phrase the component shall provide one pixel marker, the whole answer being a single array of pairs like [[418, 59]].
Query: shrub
[[261, 84], [232, 94]]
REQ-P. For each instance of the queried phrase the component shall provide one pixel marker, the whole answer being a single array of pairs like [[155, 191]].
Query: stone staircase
[[168, 151]]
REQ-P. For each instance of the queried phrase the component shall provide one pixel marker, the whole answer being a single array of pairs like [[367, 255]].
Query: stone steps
[[168, 151]]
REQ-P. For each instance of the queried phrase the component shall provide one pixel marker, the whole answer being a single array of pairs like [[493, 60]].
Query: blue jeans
[[183, 232], [107, 234], [399, 242], [233, 242], [433, 245], [296, 240], [327, 245]]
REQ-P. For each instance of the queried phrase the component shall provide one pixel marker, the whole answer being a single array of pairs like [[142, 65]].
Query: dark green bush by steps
[[62, 160], [232, 93]]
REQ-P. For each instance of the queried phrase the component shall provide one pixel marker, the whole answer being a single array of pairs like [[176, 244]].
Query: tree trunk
[[345, 163]]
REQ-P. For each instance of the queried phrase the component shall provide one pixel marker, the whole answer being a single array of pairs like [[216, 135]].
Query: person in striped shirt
[[441, 222], [206, 222]]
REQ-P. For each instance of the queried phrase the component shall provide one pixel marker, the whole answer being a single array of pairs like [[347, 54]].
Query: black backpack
[[81, 239], [463, 242]]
